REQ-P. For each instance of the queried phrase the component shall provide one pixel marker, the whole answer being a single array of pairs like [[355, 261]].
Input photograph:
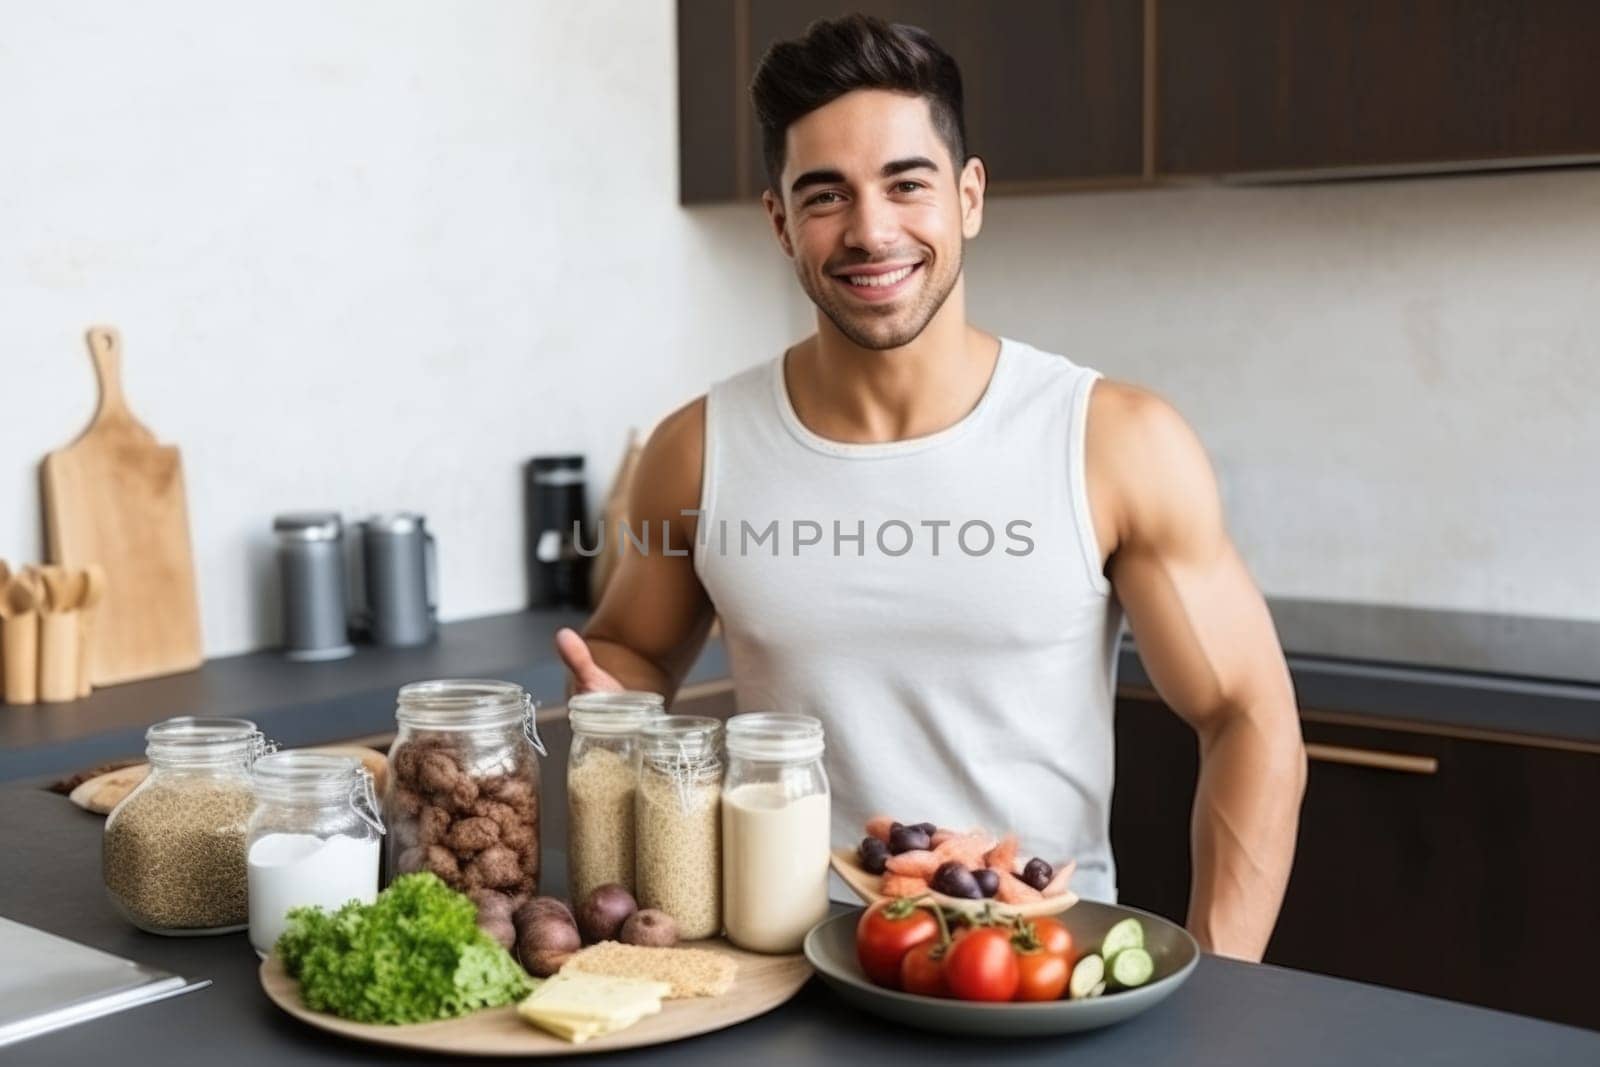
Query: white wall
[[374, 255], [1399, 381], [364, 255]]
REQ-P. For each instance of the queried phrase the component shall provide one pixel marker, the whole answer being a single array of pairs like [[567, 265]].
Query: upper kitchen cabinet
[[1055, 93], [1284, 86]]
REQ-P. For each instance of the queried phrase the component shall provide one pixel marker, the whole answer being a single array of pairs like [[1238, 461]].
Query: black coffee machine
[[558, 576]]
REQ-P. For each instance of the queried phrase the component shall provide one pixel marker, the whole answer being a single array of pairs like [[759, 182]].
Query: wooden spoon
[[21, 596], [19, 631], [94, 587], [63, 588]]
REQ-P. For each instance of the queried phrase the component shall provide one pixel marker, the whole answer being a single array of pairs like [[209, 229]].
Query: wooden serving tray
[[761, 984]]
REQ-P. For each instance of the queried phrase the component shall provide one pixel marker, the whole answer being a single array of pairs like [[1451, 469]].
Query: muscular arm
[[1206, 639], [653, 619]]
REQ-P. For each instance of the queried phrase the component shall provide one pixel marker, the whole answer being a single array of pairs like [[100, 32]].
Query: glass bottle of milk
[[312, 840], [774, 831]]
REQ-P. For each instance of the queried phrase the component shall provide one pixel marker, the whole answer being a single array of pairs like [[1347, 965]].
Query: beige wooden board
[[104, 792], [763, 983], [865, 885], [115, 497]]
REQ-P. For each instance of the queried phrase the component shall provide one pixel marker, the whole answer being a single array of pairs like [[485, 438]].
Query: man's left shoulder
[[1133, 417], [1145, 463]]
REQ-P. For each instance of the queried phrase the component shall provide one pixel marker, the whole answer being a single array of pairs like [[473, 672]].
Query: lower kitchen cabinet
[[1460, 868]]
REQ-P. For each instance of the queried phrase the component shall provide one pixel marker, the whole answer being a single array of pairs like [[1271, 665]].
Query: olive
[[874, 854], [1038, 873], [988, 881], [927, 828], [954, 880], [908, 839]]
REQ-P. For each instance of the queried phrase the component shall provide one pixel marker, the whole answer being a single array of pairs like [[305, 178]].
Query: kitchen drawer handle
[[1366, 757]]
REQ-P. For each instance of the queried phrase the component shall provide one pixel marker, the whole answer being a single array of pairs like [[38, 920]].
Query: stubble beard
[[877, 331]]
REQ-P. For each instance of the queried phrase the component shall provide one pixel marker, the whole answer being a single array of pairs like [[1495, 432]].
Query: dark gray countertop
[[1510, 646], [1228, 1013], [1504, 674], [295, 703]]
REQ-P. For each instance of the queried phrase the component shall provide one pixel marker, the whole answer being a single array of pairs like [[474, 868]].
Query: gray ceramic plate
[[831, 948]]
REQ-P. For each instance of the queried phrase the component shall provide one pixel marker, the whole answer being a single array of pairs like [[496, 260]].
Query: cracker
[[692, 972]]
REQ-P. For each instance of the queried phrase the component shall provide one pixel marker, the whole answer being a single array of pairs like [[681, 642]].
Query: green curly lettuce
[[414, 955]]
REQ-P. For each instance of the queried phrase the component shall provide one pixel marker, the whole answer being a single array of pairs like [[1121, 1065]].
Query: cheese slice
[[577, 1033], [579, 1006], [619, 1019]]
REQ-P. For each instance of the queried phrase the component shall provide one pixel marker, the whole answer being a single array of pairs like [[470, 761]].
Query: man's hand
[[587, 676]]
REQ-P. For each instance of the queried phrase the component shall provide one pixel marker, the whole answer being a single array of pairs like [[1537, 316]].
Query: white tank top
[[964, 677]]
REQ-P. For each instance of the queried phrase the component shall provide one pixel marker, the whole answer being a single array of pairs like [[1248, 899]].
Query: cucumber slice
[[1131, 967], [1086, 975], [1129, 933]]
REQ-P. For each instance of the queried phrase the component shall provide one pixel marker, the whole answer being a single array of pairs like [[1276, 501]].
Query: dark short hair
[[838, 56]]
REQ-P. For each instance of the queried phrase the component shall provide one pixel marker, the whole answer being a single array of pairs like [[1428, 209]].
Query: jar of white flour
[[312, 840]]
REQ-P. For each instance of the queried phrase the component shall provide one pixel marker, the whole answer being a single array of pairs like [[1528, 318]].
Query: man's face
[[874, 212]]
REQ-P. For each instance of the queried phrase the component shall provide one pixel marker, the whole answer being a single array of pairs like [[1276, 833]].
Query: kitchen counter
[[1228, 1012], [1459, 673], [296, 703], [1523, 647]]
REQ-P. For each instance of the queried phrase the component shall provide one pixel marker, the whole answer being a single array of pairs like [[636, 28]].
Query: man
[[926, 535]]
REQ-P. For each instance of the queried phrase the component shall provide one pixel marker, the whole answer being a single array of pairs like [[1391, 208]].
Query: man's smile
[[878, 282]]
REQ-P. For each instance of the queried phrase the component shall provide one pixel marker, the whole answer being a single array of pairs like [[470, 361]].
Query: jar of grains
[[463, 793], [775, 815], [173, 851], [602, 776], [313, 839], [678, 866]]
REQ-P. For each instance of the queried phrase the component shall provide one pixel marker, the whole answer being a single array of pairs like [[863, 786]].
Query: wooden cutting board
[[115, 497], [103, 792], [761, 984]]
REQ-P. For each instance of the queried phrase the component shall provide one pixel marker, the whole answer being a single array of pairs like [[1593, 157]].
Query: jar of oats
[[602, 777], [173, 852], [678, 862]]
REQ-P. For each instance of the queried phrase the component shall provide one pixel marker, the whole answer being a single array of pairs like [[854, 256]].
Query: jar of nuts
[[463, 793], [173, 851]]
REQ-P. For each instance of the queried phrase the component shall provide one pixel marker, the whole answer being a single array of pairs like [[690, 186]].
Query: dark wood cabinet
[[711, 111], [1054, 88], [1305, 85], [1454, 867], [1066, 94]]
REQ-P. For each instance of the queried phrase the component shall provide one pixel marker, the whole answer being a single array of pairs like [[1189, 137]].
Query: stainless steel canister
[[400, 575], [311, 574]]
